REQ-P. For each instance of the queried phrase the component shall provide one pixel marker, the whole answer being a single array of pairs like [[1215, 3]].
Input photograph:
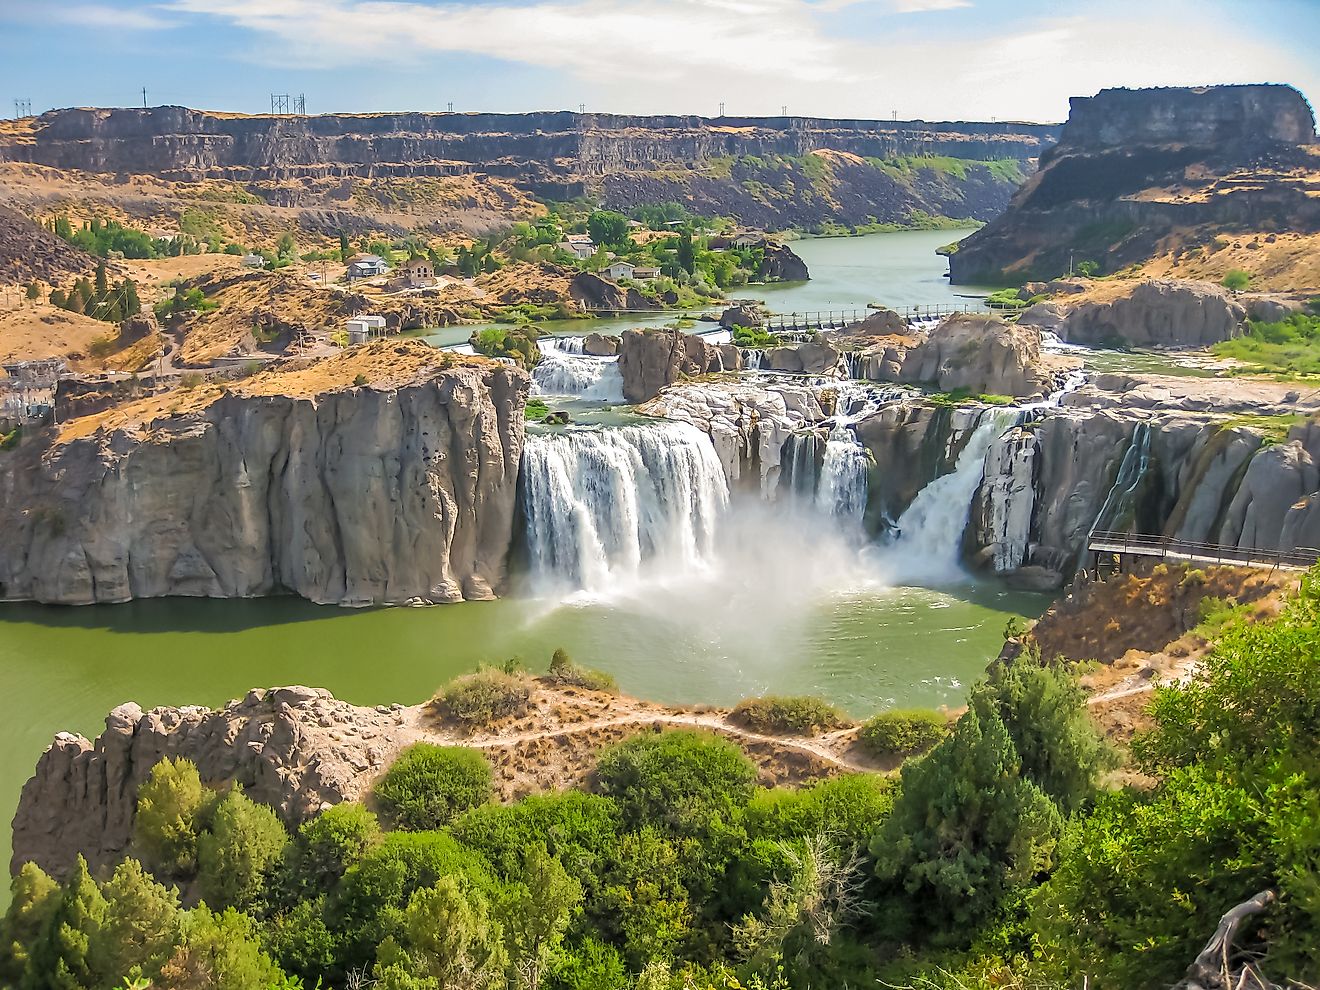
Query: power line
[[22, 108]]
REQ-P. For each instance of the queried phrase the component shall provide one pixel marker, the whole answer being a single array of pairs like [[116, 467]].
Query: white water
[[603, 506], [928, 547], [572, 374]]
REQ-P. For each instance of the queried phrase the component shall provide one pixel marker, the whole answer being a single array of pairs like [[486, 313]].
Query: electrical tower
[[22, 108], [279, 104], [283, 103], [451, 106], [721, 108], [582, 108], [783, 111]]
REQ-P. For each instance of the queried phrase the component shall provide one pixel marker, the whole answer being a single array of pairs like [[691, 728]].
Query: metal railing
[[1166, 547]]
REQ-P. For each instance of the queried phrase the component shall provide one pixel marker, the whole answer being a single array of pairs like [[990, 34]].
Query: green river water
[[855, 641]]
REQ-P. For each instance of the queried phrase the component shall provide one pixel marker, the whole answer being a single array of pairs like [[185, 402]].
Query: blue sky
[[937, 59]]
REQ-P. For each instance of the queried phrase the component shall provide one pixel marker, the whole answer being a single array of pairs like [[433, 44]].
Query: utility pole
[[451, 106], [783, 110], [721, 108], [22, 108], [582, 108], [144, 97]]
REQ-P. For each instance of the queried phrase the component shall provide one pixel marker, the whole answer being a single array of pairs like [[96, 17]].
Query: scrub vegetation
[[1003, 856]]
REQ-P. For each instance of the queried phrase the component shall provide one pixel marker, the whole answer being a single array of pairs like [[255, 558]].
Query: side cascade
[[603, 507], [565, 371]]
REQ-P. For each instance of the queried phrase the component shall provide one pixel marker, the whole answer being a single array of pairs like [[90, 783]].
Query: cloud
[[101, 17], [677, 55]]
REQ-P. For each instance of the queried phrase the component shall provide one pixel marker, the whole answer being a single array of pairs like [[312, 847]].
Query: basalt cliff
[[768, 172], [385, 475], [1198, 180]]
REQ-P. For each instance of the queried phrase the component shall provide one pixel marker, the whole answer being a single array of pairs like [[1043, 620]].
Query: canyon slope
[[397, 172], [387, 474], [1190, 182]]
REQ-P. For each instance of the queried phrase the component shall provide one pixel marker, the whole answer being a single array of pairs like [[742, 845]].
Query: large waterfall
[[565, 371], [602, 505], [930, 532]]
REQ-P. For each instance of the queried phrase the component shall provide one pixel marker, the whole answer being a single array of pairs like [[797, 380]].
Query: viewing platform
[[1168, 548]]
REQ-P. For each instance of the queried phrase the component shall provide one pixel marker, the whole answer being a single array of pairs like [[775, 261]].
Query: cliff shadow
[[176, 615]]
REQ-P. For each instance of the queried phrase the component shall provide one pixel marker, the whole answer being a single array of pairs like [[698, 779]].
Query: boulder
[[880, 322], [744, 314], [1151, 313], [981, 354], [781, 264], [1267, 310], [600, 345], [810, 358], [653, 358]]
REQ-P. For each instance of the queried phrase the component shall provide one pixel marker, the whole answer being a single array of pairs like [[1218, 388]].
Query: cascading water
[[753, 358], [565, 371], [1120, 508], [930, 532], [603, 505]]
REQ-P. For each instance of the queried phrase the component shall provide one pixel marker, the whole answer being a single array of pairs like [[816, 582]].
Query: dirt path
[[816, 746]]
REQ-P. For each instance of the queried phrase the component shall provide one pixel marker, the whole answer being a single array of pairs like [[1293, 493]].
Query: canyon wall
[[1140, 172], [357, 496]]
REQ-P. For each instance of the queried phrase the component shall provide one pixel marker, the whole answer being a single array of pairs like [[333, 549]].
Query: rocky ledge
[[1141, 313], [387, 474]]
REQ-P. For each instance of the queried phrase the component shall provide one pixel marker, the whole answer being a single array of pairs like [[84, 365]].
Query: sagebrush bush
[[486, 695], [429, 785], [902, 732], [564, 672], [799, 715]]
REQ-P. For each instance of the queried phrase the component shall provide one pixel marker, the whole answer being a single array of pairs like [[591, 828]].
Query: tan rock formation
[[304, 481], [1148, 313], [651, 359]]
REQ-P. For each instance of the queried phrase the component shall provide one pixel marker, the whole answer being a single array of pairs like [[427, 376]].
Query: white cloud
[[921, 6], [101, 17], [680, 55]]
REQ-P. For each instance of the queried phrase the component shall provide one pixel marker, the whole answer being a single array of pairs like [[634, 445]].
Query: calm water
[[864, 646]]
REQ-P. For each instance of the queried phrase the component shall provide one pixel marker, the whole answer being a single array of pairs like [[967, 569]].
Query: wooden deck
[[1167, 548]]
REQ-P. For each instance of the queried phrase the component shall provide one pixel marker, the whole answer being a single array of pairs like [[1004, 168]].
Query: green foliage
[[221, 952], [428, 785], [486, 696], [788, 715], [449, 936], [565, 673], [1290, 346], [171, 807], [753, 337], [517, 343], [327, 845], [1236, 279], [536, 410], [849, 807], [140, 925], [590, 965], [33, 291], [31, 908], [1088, 268], [902, 732], [967, 832], [100, 237], [609, 229], [644, 904], [676, 779], [238, 853], [535, 912]]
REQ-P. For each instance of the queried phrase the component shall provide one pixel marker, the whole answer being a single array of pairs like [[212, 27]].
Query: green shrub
[[902, 732], [536, 409], [565, 673], [239, 851], [1236, 279], [486, 696], [797, 715], [428, 785], [171, 805]]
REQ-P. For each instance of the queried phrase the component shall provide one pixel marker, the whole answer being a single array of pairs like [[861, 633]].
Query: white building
[[621, 269], [367, 266], [253, 261], [363, 328]]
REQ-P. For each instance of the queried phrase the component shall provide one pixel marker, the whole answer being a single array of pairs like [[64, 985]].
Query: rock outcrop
[[977, 354], [781, 264], [1141, 173], [807, 358], [651, 359], [295, 749], [306, 481], [743, 314], [1146, 313]]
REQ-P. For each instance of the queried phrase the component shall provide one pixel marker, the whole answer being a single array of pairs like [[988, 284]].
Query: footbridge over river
[[1129, 545]]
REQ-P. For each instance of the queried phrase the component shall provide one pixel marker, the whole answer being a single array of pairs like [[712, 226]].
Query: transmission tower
[[451, 106], [721, 108], [300, 105], [22, 108]]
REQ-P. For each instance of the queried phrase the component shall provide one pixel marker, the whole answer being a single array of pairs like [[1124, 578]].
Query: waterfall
[[799, 465], [602, 506], [753, 358], [844, 476], [563, 373], [1119, 510], [930, 532], [564, 345]]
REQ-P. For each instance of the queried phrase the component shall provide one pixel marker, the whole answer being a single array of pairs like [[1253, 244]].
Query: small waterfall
[[564, 345], [563, 373], [603, 505], [855, 364], [1119, 510], [800, 464], [844, 476], [930, 532], [753, 358]]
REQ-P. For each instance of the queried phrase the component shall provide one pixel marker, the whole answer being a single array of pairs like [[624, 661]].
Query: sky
[[924, 59]]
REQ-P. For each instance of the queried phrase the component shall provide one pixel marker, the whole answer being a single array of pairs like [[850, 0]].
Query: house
[[367, 266], [645, 274], [253, 261], [416, 273], [363, 328], [749, 240], [581, 246], [621, 269]]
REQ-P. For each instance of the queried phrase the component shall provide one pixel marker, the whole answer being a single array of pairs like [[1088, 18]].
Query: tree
[[57, 298], [286, 246], [102, 287], [132, 305], [608, 229], [452, 938], [330, 843], [536, 912], [60, 954], [238, 852], [345, 250], [63, 228], [428, 785], [1237, 280], [644, 904], [35, 897], [967, 829], [170, 806], [140, 925], [33, 291], [687, 255], [1044, 710], [220, 952]]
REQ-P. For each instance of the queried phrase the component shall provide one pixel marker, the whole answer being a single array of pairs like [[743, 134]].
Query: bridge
[[1191, 552]]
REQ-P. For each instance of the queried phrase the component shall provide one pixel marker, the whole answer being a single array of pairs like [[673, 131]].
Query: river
[[769, 604]]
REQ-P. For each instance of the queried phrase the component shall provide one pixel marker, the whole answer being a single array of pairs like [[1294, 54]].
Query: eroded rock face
[[295, 749], [651, 359], [356, 497], [1153, 313], [781, 264]]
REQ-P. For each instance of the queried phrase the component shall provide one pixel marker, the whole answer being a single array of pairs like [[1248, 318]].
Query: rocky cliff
[[385, 475], [1143, 313], [770, 172], [1150, 172], [651, 359]]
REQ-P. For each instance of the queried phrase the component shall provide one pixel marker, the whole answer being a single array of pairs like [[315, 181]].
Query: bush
[[798, 715], [238, 853], [1236, 280], [171, 804], [485, 696], [565, 673], [903, 732], [428, 785]]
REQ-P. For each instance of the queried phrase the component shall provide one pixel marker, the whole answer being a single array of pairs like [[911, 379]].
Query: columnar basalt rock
[[352, 496], [1145, 313]]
